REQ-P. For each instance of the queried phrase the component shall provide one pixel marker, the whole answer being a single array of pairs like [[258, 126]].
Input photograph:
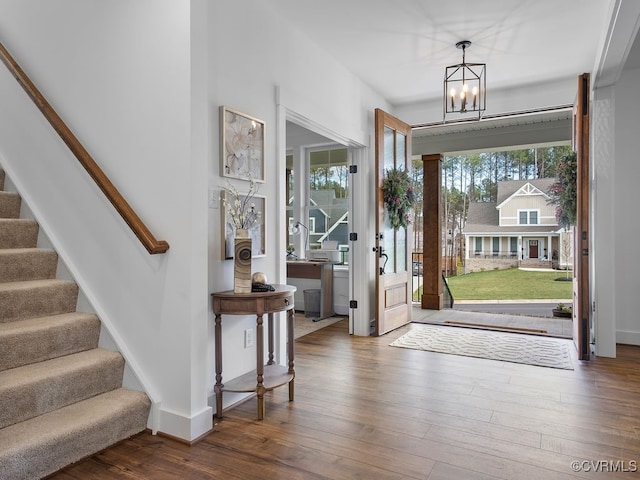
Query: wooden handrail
[[141, 231]]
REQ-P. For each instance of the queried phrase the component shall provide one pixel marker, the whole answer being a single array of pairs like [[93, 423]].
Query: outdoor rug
[[502, 346]]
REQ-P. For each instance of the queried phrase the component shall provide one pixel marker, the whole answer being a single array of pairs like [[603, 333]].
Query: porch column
[[520, 248], [549, 247], [432, 297]]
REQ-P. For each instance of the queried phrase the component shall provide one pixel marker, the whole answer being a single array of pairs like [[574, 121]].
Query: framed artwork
[[242, 145], [256, 231]]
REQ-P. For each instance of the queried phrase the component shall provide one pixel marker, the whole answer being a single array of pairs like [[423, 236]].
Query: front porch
[[537, 263], [494, 252], [481, 263]]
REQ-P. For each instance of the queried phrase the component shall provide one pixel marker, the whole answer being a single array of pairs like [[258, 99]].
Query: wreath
[[399, 197]]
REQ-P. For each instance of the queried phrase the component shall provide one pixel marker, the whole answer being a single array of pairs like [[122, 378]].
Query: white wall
[[140, 83], [604, 221], [614, 152], [258, 64], [626, 171], [119, 74], [616, 114]]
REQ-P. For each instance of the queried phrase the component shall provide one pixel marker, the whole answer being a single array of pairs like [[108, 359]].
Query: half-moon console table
[[265, 377]]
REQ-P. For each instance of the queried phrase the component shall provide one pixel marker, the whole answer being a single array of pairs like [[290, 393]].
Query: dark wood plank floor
[[367, 410]]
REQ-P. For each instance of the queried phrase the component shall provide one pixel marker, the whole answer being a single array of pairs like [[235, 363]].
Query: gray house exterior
[[328, 220], [519, 229]]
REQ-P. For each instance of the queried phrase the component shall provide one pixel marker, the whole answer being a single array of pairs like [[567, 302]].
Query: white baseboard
[[628, 337], [187, 428]]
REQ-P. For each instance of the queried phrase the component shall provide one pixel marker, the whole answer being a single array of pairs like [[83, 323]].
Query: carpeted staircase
[[61, 397]]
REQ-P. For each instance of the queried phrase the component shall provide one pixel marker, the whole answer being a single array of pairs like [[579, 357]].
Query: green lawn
[[510, 284]]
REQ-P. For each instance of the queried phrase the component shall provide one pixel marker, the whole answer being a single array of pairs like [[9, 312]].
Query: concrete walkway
[[545, 324], [557, 327]]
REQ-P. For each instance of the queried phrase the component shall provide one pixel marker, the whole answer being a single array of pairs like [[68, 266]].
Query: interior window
[[328, 199], [289, 196]]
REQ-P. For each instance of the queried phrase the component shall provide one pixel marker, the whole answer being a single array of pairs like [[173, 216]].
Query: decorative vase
[[242, 262]]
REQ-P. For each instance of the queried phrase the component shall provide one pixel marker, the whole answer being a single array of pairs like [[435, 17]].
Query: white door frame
[[359, 318]]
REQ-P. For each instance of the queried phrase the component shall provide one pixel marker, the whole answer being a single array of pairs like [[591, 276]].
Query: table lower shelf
[[274, 376]]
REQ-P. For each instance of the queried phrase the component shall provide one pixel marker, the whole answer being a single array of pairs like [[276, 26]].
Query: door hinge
[[353, 236], [353, 169], [353, 304]]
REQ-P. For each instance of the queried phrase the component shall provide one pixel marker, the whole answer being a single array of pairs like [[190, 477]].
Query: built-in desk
[[322, 271]]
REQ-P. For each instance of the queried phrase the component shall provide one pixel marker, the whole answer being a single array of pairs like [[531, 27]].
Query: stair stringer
[[110, 338]]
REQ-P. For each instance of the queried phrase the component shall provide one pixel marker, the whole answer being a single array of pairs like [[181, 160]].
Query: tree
[[563, 193], [565, 248], [474, 177]]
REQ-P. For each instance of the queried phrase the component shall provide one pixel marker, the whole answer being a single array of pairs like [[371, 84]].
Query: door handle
[[380, 251]]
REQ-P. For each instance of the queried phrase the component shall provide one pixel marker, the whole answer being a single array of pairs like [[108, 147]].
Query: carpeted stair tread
[[60, 395], [9, 205], [32, 390], [19, 264], [43, 445], [18, 233], [36, 298], [36, 339]]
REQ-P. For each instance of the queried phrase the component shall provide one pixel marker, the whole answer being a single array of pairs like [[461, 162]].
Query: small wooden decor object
[[242, 265]]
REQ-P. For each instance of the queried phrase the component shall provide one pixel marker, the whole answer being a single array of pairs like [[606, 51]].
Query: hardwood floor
[[367, 410]]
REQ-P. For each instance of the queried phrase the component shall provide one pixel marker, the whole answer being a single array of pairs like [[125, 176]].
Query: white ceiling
[[401, 47]]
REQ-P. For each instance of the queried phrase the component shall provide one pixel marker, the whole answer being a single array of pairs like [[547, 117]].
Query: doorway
[[304, 139], [501, 221]]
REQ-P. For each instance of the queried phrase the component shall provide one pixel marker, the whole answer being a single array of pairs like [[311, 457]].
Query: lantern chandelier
[[465, 90]]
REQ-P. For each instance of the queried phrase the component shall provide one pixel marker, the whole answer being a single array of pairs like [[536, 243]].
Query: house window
[[523, 218], [528, 217], [344, 254], [513, 245], [311, 224], [496, 245], [478, 249]]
